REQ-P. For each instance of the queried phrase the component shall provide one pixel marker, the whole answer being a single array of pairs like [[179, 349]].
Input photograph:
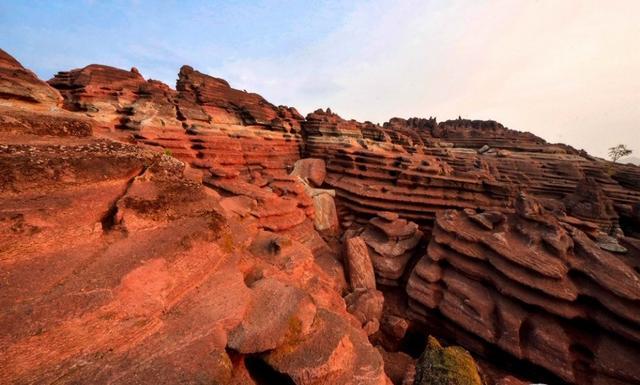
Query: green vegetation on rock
[[446, 366]]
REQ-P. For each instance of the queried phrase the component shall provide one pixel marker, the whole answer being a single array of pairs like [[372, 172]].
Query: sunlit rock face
[[204, 235], [19, 86]]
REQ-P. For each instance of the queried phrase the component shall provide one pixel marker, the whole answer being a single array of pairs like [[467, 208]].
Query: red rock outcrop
[[391, 242], [98, 88], [124, 265], [204, 122], [224, 104], [536, 287], [28, 106], [375, 169], [159, 235], [416, 167], [19, 85]]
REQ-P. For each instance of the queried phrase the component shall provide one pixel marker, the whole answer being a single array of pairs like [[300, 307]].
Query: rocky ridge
[[201, 234]]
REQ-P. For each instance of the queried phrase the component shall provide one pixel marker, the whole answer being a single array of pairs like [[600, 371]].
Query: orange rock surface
[[151, 235]]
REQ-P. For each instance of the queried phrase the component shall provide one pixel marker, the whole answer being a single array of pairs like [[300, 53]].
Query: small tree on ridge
[[618, 152]]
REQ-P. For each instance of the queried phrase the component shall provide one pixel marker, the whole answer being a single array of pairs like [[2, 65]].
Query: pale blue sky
[[567, 70], [159, 36]]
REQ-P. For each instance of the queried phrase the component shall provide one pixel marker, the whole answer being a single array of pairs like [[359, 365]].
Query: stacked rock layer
[[204, 121], [160, 235], [536, 287], [416, 167]]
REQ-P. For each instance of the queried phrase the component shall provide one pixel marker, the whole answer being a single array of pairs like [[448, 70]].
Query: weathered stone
[[263, 327], [326, 216], [486, 278], [360, 268], [366, 306], [335, 353], [312, 170], [18, 85], [391, 245]]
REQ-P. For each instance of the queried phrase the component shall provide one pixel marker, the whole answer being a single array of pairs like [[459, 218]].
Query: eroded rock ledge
[[201, 234]]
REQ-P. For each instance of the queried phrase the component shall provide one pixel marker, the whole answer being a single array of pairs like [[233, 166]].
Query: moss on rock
[[446, 366]]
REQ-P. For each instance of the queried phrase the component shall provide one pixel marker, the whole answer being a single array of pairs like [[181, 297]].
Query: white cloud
[[567, 71]]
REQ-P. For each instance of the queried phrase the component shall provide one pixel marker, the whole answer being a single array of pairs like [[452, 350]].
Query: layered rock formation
[[203, 235], [537, 287], [119, 265], [204, 121], [19, 85], [375, 169], [416, 167], [391, 242]]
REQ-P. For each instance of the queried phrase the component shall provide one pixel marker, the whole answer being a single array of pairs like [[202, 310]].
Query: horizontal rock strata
[[204, 235], [538, 288]]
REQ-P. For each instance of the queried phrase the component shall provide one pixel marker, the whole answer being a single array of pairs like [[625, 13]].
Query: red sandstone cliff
[[152, 235]]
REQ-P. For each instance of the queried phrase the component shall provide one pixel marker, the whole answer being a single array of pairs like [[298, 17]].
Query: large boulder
[[310, 169], [334, 353], [326, 215]]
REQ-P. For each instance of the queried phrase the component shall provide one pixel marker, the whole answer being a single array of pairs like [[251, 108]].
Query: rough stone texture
[[446, 366], [18, 86], [378, 168], [326, 216], [204, 121], [360, 268], [110, 256], [224, 104], [276, 313], [312, 170], [391, 242], [127, 266], [336, 353], [415, 167], [159, 235], [418, 168], [97, 88], [366, 306], [521, 284]]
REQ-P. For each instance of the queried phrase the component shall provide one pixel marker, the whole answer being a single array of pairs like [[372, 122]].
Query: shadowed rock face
[[158, 235], [537, 287]]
